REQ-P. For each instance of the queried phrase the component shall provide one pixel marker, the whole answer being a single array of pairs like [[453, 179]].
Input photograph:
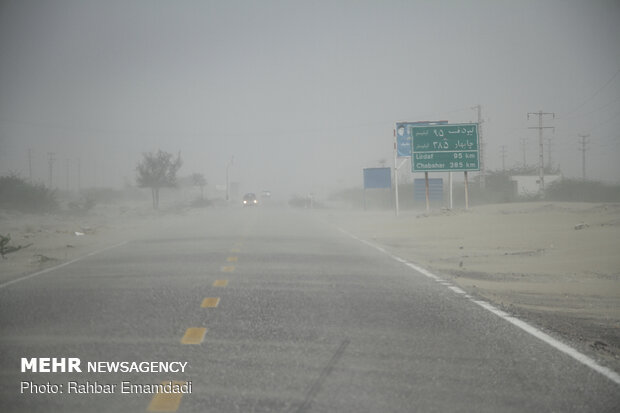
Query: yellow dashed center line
[[169, 402], [194, 335], [166, 402], [210, 302]]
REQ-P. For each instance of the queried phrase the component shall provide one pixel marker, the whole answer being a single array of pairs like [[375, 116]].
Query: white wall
[[529, 185]]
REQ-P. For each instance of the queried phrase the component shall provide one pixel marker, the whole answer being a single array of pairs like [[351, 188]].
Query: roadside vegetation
[[583, 191], [17, 193], [158, 170], [499, 188], [6, 248]]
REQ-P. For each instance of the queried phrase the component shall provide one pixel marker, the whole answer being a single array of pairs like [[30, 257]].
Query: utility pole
[[79, 174], [549, 165], [503, 158], [481, 146], [30, 163], [524, 149], [395, 174], [67, 177], [227, 178], [541, 161], [50, 161], [584, 140]]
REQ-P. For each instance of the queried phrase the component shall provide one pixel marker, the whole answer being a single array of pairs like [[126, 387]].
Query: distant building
[[529, 185]]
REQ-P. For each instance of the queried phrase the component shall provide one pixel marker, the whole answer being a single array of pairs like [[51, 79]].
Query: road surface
[[275, 311]]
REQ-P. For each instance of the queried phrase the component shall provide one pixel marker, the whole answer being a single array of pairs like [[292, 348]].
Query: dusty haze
[[301, 95]]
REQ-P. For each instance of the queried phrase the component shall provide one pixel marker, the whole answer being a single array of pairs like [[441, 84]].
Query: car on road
[[249, 199]]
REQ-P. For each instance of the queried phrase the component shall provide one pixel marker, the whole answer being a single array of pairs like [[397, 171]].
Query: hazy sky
[[303, 94]]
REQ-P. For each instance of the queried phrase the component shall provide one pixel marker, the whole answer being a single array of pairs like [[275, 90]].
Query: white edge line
[[558, 345], [64, 264], [456, 289]]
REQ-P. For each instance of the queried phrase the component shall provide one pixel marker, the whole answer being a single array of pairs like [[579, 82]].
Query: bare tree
[[158, 170], [199, 180]]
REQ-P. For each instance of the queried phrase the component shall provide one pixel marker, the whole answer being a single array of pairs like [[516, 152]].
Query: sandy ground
[[556, 265], [527, 258], [57, 238]]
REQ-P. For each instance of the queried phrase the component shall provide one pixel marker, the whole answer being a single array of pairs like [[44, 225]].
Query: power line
[[593, 95], [30, 163], [614, 117], [578, 115], [67, 166], [79, 174], [51, 159]]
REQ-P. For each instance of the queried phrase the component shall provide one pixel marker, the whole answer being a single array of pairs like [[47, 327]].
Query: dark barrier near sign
[[377, 178], [435, 190]]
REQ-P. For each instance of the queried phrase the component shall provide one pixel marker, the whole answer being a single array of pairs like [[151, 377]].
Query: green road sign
[[440, 148]]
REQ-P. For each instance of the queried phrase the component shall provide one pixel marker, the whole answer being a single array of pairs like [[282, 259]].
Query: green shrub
[[17, 193], [583, 191], [201, 203], [304, 202], [81, 206]]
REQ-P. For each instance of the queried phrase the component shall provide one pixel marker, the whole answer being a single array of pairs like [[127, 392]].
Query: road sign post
[[428, 202], [466, 191], [402, 148]]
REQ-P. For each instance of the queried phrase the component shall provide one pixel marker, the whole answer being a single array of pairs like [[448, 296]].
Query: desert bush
[[201, 203], [112, 195], [81, 206], [299, 202], [5, 248], [17, 193], [305, 202], [583, 191], [354, 197]]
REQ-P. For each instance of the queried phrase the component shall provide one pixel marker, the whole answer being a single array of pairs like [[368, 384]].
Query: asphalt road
[[308, 320]]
